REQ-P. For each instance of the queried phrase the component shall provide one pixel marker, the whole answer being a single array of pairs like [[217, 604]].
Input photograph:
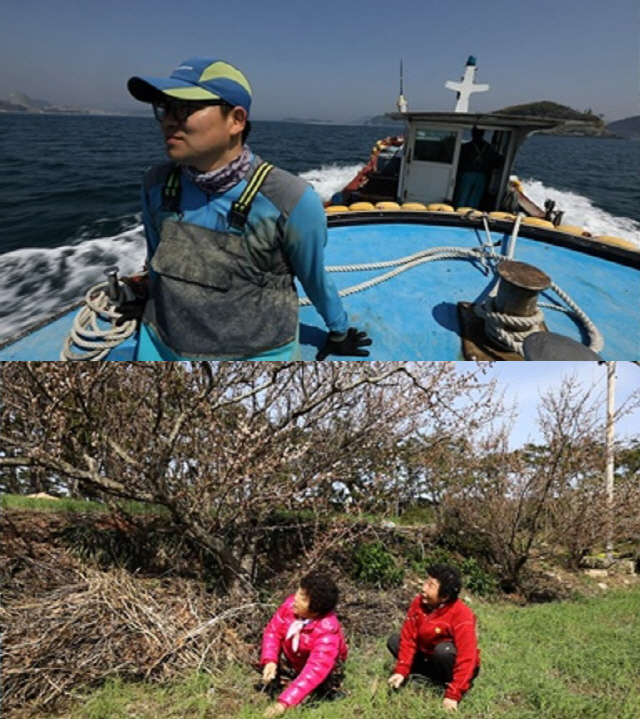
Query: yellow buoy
[[537, 222], [618, 242], [387, 206], [413, 206], [336, 208], [358, 206], [439, 207], [572, 230], [502, 215], [468, 211]]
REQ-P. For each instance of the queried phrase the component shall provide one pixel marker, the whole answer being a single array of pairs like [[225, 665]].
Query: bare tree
[[221, 445], [514, 501]]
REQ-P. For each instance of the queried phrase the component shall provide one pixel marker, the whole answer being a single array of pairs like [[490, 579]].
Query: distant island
[[583, 124], [628, 128], [307, 121], [575, 123], [19, 102], [380, 120]]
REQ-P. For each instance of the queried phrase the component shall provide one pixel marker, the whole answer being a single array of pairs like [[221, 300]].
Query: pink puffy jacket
[[321, 645]]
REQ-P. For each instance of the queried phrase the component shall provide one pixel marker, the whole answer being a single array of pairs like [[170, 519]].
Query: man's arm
[[305, 239]]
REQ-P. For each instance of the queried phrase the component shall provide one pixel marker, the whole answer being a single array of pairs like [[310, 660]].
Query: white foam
[[329, 179], [39, 282], [581, 212], [578, 210]]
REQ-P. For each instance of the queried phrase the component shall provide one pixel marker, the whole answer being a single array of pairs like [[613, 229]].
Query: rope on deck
[[508, 329], [87, 335]]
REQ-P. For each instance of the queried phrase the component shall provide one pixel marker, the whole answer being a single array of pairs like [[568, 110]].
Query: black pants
[[439, 667]]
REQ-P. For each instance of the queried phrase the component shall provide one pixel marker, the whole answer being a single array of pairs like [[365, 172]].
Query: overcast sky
[[331, 60], [525, 382]]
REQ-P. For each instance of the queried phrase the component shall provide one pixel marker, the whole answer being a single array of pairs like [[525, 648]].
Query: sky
[[330, 60], [525, 382]]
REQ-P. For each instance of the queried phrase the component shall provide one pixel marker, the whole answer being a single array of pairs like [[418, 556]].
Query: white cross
[[466, 87]]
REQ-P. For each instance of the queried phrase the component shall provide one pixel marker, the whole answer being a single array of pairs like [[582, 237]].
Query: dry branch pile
[[104, 624], [68, 625]]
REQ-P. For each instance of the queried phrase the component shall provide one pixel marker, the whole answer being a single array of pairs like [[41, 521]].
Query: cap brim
[[150, 89]]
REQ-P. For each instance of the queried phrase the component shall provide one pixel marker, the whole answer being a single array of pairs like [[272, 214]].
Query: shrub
[[374, 565], [475, 579]]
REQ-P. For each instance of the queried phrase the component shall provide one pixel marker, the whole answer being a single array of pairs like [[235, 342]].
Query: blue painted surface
[[413, 316], [45, 343]]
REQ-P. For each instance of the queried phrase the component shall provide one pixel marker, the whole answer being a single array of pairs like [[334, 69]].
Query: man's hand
[[395, 680], [269, 672], [135, 291], [348, 345], [450, 705], [275, 710], [129, 311]]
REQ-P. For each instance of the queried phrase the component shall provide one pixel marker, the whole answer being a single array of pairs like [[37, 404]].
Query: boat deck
[[415, 315]]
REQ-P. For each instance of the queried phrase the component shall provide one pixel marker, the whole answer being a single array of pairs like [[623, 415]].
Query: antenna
[[402, 103]]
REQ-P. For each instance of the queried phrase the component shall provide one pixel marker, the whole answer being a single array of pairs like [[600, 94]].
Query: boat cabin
[[428, 168]]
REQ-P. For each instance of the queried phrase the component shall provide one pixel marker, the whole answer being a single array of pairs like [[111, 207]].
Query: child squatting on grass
[[304, 643], [438, 638]]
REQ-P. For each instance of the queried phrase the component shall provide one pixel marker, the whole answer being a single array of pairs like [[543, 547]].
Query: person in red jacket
[[304, 641], [438, 638]]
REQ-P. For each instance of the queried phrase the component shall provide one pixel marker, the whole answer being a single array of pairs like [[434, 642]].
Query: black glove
[[349, 344], [130, 311], [136, 291]]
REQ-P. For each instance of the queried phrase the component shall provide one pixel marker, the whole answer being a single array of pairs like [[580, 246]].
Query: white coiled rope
[[87, 335], [500, 323]]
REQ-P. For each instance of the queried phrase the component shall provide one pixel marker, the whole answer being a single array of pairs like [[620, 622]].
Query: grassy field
[[574, 660], [72, 506]]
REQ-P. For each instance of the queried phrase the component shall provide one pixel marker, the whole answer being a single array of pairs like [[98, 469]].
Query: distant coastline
[[574, 122], [19, 103]]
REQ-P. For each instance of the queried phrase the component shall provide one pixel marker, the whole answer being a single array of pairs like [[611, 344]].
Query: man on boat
[[477, 160], [227, 233]]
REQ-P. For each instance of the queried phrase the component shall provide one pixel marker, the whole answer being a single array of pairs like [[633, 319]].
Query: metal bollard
[[519, 287], [113, 286]]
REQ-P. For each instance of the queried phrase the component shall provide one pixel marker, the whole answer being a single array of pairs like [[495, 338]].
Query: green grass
[[577, 660], [73, 506]]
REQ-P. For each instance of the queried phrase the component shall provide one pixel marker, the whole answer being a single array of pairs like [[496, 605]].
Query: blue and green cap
[[198, 78]]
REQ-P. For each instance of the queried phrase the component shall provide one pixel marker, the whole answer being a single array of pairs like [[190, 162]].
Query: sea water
[[70, 193]]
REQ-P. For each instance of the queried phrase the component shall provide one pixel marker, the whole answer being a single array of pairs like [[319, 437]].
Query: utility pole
[[611, 381]]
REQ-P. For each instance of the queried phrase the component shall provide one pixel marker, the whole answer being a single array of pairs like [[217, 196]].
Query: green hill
[[546, 108], [585, 123]]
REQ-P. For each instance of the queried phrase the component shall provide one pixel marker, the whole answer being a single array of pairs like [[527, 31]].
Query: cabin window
[[434, 146]]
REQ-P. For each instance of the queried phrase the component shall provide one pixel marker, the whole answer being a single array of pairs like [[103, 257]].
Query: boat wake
[[37, 283], [329, 179], [578, 210], [581, 212]]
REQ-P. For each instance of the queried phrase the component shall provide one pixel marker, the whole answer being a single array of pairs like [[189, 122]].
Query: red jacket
[[321, 644], [425, 627]]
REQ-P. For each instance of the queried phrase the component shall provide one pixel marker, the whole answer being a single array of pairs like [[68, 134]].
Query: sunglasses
[[180, 110]]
